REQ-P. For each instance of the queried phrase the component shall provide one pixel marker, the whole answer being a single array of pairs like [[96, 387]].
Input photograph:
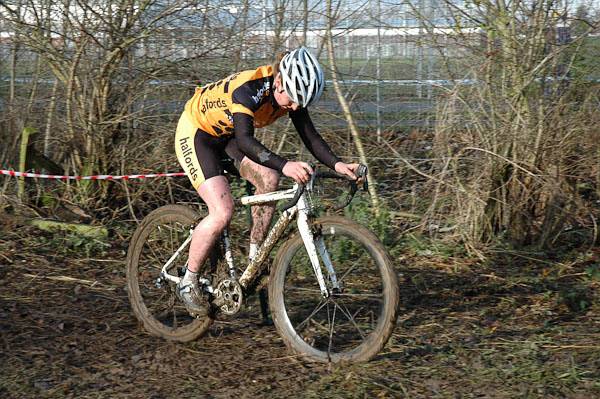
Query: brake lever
[[361, 172], [313, 177], [294, 200], [301, 187]]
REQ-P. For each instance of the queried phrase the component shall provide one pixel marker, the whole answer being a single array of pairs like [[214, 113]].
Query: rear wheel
[[352, 325], [153, 243]]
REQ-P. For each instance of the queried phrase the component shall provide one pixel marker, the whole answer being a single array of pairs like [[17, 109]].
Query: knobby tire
[[370, 280]]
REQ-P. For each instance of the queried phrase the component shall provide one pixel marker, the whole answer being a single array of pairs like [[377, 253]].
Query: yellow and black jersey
[[248, 92], [220, 119]]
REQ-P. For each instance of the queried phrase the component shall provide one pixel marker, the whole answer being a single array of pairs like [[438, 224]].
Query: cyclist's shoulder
[[232, 82], [250, 87], [251, 78]]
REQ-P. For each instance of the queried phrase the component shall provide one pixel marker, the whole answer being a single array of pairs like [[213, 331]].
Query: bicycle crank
[[228, 297]]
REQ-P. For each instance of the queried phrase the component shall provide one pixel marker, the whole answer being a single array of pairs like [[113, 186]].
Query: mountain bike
[[332, 291]]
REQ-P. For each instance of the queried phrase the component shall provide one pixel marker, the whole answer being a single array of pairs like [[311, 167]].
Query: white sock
[[253, 250], [190, 277]]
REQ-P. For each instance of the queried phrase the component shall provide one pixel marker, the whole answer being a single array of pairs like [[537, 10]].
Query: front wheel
[[352, 324]]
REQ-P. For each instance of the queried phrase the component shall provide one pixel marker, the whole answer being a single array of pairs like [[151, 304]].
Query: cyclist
[[219, 121]]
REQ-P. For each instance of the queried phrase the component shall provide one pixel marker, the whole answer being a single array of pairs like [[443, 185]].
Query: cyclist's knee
[[223, 212], [268, 181], [271, 180], [263, 178]]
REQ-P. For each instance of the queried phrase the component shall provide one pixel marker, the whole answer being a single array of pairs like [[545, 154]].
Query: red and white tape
[[96, 177]]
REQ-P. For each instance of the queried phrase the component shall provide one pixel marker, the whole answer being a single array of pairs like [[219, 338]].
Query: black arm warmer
[[252, 148], [312, 139]]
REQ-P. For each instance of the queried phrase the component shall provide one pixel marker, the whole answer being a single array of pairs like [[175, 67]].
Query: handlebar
[[295, 199], [361, 172]]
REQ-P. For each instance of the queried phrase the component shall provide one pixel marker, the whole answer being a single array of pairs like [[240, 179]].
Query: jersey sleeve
[[244, 134], [312, 139]]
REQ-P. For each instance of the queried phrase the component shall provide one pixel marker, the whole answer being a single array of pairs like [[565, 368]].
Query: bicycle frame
[[313, 241]]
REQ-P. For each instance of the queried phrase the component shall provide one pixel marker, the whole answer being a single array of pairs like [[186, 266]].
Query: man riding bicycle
[[219, 121]]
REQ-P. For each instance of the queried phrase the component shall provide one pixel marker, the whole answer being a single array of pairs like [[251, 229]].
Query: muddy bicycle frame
[[312, 238]]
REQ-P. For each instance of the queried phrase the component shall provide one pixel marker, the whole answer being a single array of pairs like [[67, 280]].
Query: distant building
[[211, 28]]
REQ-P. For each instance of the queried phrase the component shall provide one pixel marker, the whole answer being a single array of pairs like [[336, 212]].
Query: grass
[[481, 331]]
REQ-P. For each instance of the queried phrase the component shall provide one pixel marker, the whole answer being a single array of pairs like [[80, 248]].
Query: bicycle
[[357, 288]]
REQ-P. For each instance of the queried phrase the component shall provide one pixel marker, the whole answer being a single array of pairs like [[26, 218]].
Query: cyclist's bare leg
[[216, 194], [265, 180]]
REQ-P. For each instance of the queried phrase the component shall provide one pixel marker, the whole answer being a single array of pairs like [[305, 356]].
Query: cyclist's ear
[[278, 84]]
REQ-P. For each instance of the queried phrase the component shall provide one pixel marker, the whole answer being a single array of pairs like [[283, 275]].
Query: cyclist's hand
[[347, 169], [299, 171]]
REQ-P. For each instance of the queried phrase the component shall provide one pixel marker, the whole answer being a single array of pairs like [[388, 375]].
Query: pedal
[[159, 282]]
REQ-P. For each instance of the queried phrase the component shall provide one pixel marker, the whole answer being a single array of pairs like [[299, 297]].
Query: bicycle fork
[[315, 246]]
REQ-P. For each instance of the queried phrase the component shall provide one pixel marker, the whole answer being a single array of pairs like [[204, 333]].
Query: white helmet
[[302, 77]]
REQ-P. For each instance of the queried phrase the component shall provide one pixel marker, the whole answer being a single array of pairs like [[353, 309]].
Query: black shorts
[[202, 155]]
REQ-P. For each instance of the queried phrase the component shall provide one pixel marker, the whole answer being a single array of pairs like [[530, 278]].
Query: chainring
[[228, 297]]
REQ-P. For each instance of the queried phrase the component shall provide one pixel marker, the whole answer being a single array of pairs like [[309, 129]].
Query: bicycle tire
[[292, 272], [139, 281]]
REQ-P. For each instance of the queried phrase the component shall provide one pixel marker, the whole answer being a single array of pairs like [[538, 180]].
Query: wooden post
[[28, 131]]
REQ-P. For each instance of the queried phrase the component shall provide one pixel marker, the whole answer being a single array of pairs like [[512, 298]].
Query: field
[[516, 325]]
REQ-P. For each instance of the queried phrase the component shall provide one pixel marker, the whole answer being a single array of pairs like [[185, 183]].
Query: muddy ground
[[518, 325]]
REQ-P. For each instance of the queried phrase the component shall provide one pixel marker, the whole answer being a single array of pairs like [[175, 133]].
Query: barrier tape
[[96, 177]]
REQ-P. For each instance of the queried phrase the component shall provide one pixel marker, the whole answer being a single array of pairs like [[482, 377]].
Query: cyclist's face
[[283, 100]]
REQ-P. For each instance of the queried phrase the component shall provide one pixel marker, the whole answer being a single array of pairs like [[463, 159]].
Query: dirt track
[[516, 329]]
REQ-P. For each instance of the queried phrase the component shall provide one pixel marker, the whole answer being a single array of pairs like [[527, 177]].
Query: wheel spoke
[[166, 309], [349, 270], [163, 314], [314, 290], [171, 240], [321, 326], [176, 237], [331, 327], [350, 318], [358, 295], [157, 259], [320, 306]]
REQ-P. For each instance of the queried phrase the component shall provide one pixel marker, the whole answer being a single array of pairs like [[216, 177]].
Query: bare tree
[[513, 142], [87, 48], [346, 109]]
